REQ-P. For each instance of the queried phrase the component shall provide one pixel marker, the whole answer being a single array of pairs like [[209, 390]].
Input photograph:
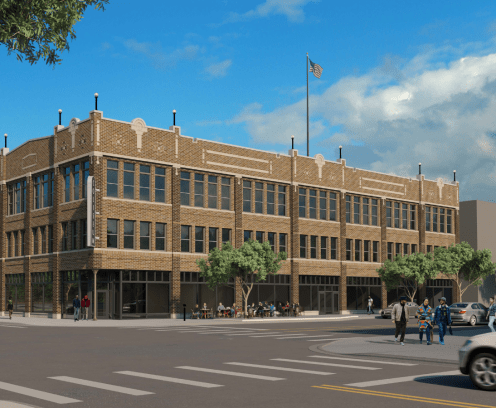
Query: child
[[425, 325]]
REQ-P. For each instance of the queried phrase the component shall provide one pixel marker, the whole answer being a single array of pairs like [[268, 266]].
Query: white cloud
[[218, 70], [423, 111]]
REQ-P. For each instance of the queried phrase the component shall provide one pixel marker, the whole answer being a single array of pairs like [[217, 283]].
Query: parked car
[[412, 307], [468, 312], [477, 358], [134, 307]]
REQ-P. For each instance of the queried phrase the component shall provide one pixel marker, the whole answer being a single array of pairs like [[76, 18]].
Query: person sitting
[[260, 309], [196, 312], [272, 310], [204, 310], [233, 310], [287, 308], [280, 309], [220, 309]]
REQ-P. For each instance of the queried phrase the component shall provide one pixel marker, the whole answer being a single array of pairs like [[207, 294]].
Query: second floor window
[[246, 196], [448, 222], [427, 218], [313, 204], [259, 236], [398, 250], [441, 220], [17, 198], [43, 240], [226, 235], [159, 237], [390, 251], [313, 246], [281, 200], [365, 211], [282, 242], [247, 235], [76, 182], [145, 231], [358, 250], [212, 191], [405, 249], [159, 184], [128, 234], [112, 233], [259, 198], [225, 193], [271, 237], [67, 184], [374, 211], [323, 247], [375, 251], [270, 199], [50, 239], [348, 208], [84, 235], [65, 237], [356, 210], [323, 205], [185, 238], [212, 238], [412, 217], [199, 239], [302, 203], [23, 243], [112, 178], [129, 181], [366, 251], [86, 174], [303, 246], [404, 216], [144, 186], [199, 189], [396, 215], [334, 248], [332, 206], [348, 249], [434, 219], [185, 187], [73, 235], [389, 222]]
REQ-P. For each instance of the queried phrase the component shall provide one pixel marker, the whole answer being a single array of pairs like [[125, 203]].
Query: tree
[[410, 272], [44, 23], [460, 262], [249, 264]]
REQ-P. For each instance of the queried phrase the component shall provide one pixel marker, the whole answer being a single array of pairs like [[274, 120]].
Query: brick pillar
[[56, 275], [456, 226], [343, 290], [176, 242], [27, 243], [295, 241], [383, 248], [3, 240], [238, 294], [237, 234], [383, 295], [421, 216]]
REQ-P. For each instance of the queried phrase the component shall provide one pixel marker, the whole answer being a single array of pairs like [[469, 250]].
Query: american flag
[[315, 68]]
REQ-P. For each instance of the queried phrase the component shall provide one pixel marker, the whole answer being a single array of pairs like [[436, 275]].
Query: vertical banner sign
[[90, 212]]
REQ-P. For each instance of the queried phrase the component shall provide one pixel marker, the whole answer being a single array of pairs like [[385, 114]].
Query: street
[[213, 363]]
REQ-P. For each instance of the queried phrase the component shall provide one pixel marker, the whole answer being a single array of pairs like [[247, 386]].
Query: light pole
[[174, 117], [340, 147], [60, 117], [292, 142], [96, 101]]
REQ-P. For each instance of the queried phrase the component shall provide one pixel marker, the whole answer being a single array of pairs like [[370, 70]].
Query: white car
[[477, 358]]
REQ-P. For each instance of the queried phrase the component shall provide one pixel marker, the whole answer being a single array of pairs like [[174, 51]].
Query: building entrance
[[328, 302]]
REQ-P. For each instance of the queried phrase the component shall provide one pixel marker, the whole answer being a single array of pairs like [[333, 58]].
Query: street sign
[[90, 212]]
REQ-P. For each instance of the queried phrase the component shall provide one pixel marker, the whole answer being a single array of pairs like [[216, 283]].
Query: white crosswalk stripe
[[245, 334], [232, 373], [286, 369], [301, 337], [46, 396], [169, 379], [364, 361], [102, 386], [326, 364], [401, 379]]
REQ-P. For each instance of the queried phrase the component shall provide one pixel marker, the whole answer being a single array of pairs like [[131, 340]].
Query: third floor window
[[129, 181], [112, 178]]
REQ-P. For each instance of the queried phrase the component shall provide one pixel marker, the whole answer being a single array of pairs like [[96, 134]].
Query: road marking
[[326, 364], [216, 332], [46, 396], [17, 327], [102, 386], [242, 334], [330, 339], [401, 379], [282, 334], [403, 397], [301, 337], [232, 373], [169, 379], [294, 370], [363, 361]]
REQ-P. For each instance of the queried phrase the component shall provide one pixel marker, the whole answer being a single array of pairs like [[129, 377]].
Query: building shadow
[[455, 381], [412, 328]]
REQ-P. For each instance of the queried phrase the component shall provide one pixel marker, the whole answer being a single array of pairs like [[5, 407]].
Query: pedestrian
[[491, 314], [370, 304], [76, 303], [423, 311], [85, 304], [442, 317], [400, 316], [272, 309], [233, 310], [10, 307]]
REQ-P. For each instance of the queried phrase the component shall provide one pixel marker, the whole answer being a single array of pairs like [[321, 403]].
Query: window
[[76, 182], [185, 238], [199, 190], [375, 251], [441, 220], [23, 243], [17, 198], [348, 249], [43, 240], [302, 203], [348, 208], [74, 235], [332, 206], [212, 238], [212, 191], [271, 199], [271, 237], [160, 236], [160, 185], [405, 249], [9, 245], [388, 214], [283, 238], [112, 178], [366, 250], [396, 215], [365, 211], [313, 246], [247, 235], [145, 231], [83, 234], [67, 184], [356, 210], [15, 242], [414, 248], [86, 174], [225, 193], [398, 249], [199, 239], [358, 252], [427, 218], [323, 205], [144, 183], [429, 248], [10, 200], [390, 251], [50, 239], [303, 246], [282, 200], [448, 222], [313, 204], [226, 235], [45, 194], [65, 237], [246, 196], [259, 198], [323, 247], [434, 219], [185, 187], [52, 188], [128, 234], [37, 192], [259, 235], [404, 216], [129, 181], [334, 248]]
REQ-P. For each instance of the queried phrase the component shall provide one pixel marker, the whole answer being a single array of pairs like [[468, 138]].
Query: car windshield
[[462, 305]]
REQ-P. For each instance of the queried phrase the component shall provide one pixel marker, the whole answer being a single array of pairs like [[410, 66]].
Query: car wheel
[[472, 321], [482, 371]]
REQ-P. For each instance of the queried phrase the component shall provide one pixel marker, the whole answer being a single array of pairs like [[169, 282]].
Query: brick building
[[165, 200]]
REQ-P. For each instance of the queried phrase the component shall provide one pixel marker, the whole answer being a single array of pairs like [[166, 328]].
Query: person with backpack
[[491, 312], [425, 324], [370, 304], [10, 307], [76, 304], [400, 316], [85, 304], [442, 317]]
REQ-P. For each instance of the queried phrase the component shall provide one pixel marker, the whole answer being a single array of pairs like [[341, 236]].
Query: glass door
[[102, 304], [322, 303], [335, 302]]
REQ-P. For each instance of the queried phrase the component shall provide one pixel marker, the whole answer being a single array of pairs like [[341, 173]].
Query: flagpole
[[308, 140]]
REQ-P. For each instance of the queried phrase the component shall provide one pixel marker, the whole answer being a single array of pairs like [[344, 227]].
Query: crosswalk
[[285, 369]]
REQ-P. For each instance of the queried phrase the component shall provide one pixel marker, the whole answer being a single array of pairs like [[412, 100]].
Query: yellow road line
[[403, 397]]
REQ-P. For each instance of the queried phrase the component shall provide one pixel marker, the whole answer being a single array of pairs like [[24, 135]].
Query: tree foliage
[[408, 272], [39, 28], [251, 263]]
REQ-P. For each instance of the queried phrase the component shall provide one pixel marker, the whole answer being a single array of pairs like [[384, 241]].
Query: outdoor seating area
[[263, 310]]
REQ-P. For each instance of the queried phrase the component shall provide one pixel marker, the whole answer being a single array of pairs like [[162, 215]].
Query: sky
[[401, 84]]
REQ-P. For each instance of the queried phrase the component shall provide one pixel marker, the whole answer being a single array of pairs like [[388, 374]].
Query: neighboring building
[[165, 200], [478, 228]]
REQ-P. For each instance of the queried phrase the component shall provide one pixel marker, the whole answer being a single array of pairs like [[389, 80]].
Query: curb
[[299, 319]]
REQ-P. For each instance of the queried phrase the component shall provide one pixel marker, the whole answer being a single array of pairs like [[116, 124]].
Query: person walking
[[370, 304], [442, 317], [10, 307], [76, 303], [85, 304], [400, 316], [491, 313], [425, 324]]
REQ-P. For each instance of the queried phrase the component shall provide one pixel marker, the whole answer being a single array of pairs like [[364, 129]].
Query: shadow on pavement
[[456, 381], [412, 329]]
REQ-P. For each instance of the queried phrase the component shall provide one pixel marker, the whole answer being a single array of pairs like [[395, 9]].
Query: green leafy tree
[[409, 272], [464, 265], [253, 262], [39, 28]]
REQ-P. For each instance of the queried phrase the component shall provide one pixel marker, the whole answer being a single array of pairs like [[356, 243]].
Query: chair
[[194, 315]]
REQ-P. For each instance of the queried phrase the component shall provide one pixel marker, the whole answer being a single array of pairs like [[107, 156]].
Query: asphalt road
[[242, 365]]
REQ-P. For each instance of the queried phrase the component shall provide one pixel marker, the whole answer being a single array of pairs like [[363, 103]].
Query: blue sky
[[400, 84]]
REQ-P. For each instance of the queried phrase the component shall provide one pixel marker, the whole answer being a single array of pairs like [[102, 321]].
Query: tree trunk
[[245, 295]]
